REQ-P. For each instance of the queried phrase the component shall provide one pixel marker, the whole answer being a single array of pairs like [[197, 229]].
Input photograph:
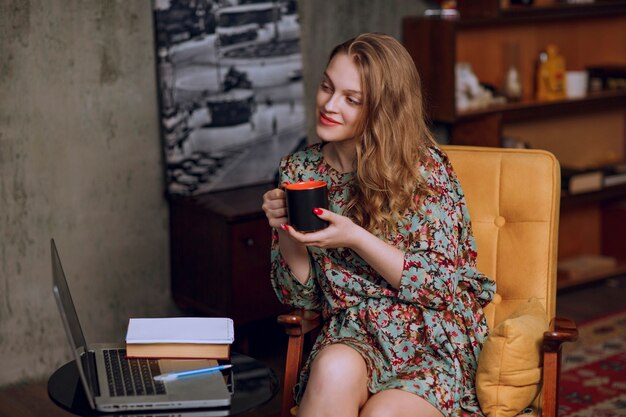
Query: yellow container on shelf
[[551, 75]]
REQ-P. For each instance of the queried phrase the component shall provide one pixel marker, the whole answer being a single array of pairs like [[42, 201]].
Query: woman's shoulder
[[310, 153], [436, 164], [439, 174], [437, 155]]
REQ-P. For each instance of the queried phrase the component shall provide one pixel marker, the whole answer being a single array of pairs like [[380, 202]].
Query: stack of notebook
[[180, 337]]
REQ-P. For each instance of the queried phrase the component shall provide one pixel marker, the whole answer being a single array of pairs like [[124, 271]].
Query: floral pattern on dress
[[424, 337]]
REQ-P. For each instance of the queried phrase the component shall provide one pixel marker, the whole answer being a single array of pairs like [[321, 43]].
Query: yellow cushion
[[509, 367]]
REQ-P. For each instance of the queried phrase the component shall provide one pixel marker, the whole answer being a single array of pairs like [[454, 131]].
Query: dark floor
[[267, 343]]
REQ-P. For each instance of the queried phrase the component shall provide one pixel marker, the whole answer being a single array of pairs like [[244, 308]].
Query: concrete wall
[[80, 161]]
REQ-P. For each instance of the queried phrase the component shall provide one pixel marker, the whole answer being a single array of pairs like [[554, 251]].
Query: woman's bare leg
[[398, 403], [337, 385]]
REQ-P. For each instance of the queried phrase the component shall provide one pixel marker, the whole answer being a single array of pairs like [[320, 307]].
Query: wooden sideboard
[[220, 255]]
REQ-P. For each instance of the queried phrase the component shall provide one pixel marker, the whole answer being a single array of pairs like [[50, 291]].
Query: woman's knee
[[339, 364], [398, 403], [337, 382]]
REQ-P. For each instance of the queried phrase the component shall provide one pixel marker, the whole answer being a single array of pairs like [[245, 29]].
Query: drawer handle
[[249, 242]]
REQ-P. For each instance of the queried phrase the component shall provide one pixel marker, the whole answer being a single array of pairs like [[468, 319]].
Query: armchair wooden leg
[[297, 325], [292, 371], [551, 372], [293, 363], [561, 331]]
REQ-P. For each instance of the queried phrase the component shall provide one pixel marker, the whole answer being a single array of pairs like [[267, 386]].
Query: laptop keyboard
[[129, 377]]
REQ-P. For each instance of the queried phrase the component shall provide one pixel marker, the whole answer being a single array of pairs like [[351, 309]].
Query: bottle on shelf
[[512, 81], [551, 75]]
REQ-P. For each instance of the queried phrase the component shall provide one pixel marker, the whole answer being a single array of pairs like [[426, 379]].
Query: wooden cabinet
[[584, 131], [220, 255]]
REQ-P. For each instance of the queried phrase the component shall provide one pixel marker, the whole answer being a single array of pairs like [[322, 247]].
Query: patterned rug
[[593, 372]]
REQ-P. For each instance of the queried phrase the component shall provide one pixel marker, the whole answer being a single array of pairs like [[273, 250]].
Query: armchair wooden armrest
[[300, 321], [561, 331], [297, 324]]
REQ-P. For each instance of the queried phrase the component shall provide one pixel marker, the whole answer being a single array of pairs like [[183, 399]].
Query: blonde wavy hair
[[392, 135]]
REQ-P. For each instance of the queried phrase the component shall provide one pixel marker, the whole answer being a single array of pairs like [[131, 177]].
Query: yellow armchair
[[513, 197]]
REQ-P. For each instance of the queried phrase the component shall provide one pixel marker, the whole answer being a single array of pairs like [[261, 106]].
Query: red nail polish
[[285, 227], [317, 211]]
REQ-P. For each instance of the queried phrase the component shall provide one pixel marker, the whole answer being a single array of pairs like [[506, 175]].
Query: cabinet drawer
[[252, 293]]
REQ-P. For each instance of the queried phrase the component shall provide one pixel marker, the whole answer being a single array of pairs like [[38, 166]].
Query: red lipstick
[[327, 121]]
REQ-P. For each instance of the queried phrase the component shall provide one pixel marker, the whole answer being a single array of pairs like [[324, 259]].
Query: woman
[[394, 272]]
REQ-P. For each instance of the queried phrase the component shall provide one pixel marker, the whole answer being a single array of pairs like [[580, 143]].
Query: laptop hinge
[[89, 362]]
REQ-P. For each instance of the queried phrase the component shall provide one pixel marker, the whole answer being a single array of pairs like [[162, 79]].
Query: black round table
[[255, 385]]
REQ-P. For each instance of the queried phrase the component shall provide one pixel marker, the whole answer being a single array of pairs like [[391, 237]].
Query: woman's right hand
[[293, 252], [275, 207]]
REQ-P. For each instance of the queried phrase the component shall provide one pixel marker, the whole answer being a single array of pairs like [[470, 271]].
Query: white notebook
[[207, 330]]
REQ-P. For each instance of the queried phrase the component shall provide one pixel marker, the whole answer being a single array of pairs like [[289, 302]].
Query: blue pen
[[175, 375]]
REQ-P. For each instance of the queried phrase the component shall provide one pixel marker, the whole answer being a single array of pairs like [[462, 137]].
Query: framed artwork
[[230, 91]]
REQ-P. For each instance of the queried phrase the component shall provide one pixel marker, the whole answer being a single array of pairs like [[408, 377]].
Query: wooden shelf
[[607, 194], [562, 11], [618, 270], [578, 131], [534, 110], [489, 12], [437, 45]]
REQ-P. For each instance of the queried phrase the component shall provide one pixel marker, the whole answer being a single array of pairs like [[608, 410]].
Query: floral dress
[[424, 337]]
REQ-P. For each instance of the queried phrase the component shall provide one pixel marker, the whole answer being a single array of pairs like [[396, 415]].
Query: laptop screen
[[72, 325]]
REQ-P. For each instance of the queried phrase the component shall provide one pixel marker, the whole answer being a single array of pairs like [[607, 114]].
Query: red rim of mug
[[305, 185]]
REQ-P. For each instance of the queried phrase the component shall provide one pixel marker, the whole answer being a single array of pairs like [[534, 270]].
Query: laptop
[[114, 383]]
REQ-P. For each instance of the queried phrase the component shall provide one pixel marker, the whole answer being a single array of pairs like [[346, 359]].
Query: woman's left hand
[[343, 233], [340, 233]]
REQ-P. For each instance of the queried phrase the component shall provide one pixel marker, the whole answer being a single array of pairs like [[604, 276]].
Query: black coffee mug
[[302, 198]]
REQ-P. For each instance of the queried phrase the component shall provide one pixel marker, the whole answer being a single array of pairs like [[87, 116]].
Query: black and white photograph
[[231, 91]]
